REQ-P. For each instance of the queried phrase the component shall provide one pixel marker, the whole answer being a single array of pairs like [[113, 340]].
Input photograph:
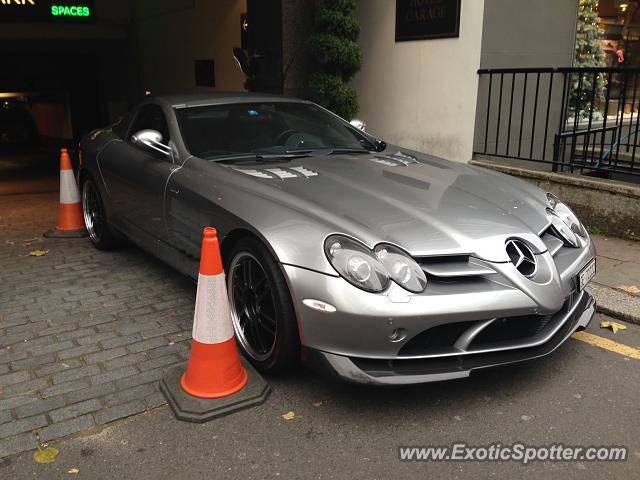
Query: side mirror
[[380, 145], [359, 124], [150, 140], [242, 59]]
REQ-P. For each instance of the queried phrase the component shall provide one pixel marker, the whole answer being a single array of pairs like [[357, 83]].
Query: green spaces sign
[[70, 11], [46, 11]]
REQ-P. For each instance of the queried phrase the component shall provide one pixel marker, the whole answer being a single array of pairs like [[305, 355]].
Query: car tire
[[252, 314], [100, 232]]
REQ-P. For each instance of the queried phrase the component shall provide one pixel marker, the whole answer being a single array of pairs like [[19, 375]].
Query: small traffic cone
[[217, 381], [70, 219]]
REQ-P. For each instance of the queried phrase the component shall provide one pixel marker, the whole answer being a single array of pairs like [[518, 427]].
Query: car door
[[136, 176]]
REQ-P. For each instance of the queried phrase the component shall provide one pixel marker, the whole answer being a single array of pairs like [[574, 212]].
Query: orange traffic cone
[[217, 380], [214, 368], [70, 219]]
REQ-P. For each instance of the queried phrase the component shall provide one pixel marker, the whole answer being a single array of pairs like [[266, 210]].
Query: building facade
[[415, 88]]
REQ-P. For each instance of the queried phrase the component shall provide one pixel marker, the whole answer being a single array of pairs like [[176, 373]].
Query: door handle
[[174, 191]]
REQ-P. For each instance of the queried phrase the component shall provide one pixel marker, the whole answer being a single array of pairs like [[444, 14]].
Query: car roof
[[214, 98]]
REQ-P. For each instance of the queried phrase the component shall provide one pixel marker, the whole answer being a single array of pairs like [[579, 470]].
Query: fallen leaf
[[48, 455], [632, 289], [613, 326], [317, 404], [38, 253], [73, 470], [289, 416]]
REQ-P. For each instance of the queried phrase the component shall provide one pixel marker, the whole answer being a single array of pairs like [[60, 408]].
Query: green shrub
[[333, 93], [337, 57]]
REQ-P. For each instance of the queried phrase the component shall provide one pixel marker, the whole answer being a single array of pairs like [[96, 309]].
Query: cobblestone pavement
[[581, 395], [84, 334], [30, 171]]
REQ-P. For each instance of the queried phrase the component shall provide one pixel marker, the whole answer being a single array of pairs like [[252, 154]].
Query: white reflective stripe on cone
[[212, 319], [68, 188]]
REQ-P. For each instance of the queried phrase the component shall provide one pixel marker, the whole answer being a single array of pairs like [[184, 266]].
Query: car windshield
[[218, 131]]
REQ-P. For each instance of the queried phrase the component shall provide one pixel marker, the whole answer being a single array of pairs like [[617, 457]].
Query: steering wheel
[[282, 138]]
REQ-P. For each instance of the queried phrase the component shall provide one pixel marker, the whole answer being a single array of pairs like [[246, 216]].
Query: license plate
[[586, 274]]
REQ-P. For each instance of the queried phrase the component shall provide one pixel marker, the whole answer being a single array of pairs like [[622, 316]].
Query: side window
[[120, 126], [150, 117]]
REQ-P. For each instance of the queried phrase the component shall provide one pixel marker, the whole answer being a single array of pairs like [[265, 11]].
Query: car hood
[[426, 205]]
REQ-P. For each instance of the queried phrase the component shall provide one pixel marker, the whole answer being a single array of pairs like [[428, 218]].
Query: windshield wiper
[[316, 152], [288, 155], [256, 157]]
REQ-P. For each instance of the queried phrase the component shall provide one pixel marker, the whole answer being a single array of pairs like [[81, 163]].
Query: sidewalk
[[618, 274]]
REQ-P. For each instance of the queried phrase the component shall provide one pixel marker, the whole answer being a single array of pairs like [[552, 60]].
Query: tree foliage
[[588, 48], [334, 46], [588, 53]]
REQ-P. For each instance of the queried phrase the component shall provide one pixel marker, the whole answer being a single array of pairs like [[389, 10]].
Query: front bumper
[[408, 371], [455, 326]]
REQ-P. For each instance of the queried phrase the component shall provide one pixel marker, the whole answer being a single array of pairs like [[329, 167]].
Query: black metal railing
[[581, 120]]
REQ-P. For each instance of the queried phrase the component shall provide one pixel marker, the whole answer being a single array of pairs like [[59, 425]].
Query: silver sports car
[[366, 260]]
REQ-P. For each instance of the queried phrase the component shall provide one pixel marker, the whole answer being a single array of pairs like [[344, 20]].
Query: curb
[[616, 304]]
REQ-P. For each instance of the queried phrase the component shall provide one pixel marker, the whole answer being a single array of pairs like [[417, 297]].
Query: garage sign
[[426, 19], [46, 11]]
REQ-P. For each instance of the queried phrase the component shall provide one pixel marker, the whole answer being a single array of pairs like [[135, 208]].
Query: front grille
[[553, 240], [436, 365], [522, 257], [435, 339], [504, 332], [512, 328]]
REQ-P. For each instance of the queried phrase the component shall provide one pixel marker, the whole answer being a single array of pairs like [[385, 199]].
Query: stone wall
[[611, 207]]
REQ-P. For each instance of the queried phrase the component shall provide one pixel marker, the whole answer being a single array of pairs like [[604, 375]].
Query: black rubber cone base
[[55, 233], [200, 410]]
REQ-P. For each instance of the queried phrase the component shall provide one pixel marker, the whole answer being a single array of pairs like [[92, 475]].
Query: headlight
[[565, 221], [402, 268], [356, 264], [371, 271]]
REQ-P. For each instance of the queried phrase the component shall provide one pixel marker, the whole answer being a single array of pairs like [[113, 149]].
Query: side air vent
[[454, 266]]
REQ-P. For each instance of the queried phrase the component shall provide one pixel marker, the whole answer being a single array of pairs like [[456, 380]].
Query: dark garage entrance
[[52, 93], [51, 87], [47, 101]]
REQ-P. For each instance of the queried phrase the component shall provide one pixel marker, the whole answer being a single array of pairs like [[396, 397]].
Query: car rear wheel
[[95, 218], [261, 308]]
